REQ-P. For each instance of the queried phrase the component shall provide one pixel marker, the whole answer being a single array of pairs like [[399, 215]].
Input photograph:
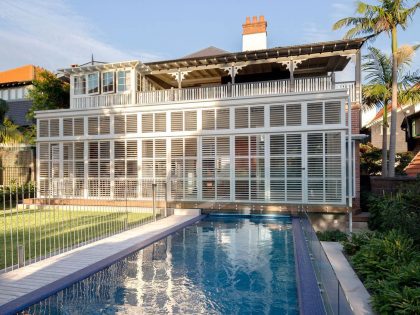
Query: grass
[[45, 231]]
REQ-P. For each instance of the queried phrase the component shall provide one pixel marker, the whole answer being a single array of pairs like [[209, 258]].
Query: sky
[[57, 33]]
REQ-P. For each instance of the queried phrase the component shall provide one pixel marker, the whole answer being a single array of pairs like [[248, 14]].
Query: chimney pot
[[261, 18], [254, 20], [248, 20]]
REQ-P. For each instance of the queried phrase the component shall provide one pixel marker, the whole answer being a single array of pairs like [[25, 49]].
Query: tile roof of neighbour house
[[413, 168], [20, 75], [378, 117]]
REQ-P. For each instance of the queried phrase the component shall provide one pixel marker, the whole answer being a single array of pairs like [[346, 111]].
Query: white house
[[260, 129]]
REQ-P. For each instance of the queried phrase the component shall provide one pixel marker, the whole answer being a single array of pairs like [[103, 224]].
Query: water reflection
[[218, 266]]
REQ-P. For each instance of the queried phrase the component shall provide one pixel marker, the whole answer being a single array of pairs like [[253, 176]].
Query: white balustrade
[[301, 85]]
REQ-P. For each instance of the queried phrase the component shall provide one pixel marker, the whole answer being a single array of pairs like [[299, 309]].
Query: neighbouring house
[[262, 129], [408, 128], [14, 86]]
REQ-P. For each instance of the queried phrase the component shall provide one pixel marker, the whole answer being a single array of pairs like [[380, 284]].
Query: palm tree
[[374, 20], [378, 90]]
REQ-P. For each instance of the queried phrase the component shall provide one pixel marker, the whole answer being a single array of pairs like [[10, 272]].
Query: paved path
[[25, 286], [353, 288]]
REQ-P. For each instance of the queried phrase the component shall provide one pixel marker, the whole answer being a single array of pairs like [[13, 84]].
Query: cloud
[[50, 34], [313, 33]]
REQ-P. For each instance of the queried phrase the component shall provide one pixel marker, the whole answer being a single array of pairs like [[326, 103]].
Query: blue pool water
[[221, 265]]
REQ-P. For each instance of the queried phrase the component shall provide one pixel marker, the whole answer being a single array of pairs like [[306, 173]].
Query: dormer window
[[124, 81], [79, 85], [93, 83], [108, 84]]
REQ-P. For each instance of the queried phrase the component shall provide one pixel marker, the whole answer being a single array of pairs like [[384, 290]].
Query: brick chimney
[[254, 34]]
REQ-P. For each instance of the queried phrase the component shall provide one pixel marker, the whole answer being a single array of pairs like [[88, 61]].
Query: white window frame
[[76, 89], [87, 83], [127, 86], [103, 83]]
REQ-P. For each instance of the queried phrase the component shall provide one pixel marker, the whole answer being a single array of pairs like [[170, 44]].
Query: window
[[79, 85], [108, 82], [123, 81], [93, 83]]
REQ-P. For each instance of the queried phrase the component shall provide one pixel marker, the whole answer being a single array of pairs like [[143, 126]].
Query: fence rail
[[34, 228], [335, 300]]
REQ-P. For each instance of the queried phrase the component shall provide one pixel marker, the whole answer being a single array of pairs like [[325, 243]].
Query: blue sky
[[57, 33]]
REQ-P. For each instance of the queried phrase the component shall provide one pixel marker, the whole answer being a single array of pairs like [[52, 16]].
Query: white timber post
[[71, 91], [358, 78], [133, 85]]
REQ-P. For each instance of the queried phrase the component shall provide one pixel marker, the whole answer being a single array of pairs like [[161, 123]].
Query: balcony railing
[[300, 85]]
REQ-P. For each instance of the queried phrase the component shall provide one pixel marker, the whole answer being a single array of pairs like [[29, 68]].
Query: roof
[[102, 66], [209, 51], [20, 74], [380, 113], [277, 52]]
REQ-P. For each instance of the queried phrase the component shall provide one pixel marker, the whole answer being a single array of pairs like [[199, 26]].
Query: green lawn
[[46, 231]]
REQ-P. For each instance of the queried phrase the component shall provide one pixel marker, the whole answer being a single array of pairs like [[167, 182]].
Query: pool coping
[[44, 292], [309, 294]]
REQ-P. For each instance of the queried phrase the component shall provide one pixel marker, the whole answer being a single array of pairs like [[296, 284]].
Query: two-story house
[[262, 129]]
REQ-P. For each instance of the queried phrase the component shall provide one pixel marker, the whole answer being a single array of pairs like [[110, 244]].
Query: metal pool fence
[[33, 228], [332, 292]]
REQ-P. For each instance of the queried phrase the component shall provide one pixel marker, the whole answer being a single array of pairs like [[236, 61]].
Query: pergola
[[274, 63]]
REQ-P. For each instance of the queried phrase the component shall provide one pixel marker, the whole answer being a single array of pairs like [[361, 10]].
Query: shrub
[[389, 265], [332, 236], [352, 245], [400, 212]]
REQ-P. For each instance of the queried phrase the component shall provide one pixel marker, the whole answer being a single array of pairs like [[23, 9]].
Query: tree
[[374, 20], [377, 92], [9, 133], [48, 92]]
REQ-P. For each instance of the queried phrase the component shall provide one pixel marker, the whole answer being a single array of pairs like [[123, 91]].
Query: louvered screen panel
[[93, 125], [208, 146], [93, 185], [256, 114], [257, 190], [54, 127], [293, 114], [119, 124], [294, 191], [160, 122], [79, 128], [177, 123], [223, 119], [160, 148], [177, 189], [147, 168], [104, 188], [105, 169], [177, 168], [208, 119], [190, 120], [147, 123], [119, 150], [190, 149], [241, 118], [277, 116], [131, 169], [105, 149], [147, 148], [277, 167], [160, 168], [223, 189], [209, 189], [131, 152], [67, 151], [333, 190], [333, 143], [208, 168], [44, 128], [242, 189], [104, 125], [131, 123], [315, 113], [333, 112], [79, 149], [44, 151], [67, 127], [93, 150], [177, 148]]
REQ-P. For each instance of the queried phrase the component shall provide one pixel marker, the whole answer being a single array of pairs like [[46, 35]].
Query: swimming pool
[[220, 265]]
